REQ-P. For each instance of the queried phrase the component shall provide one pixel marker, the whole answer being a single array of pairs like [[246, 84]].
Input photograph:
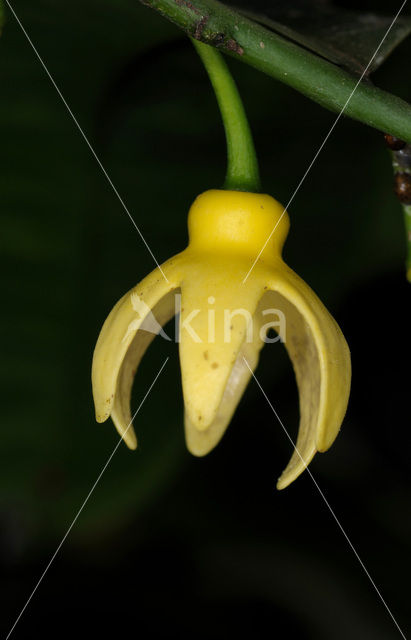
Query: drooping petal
[[162, 312], [200, 442], [321, 360], [133, 312], [216, 332]]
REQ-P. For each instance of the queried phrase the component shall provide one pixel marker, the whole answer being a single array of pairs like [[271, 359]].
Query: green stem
[[213, 23], [242, 166]]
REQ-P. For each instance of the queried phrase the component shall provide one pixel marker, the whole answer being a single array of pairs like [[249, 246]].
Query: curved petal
[[201, 442], [321, 360], [216, 333], [119, 331], [163, 311]]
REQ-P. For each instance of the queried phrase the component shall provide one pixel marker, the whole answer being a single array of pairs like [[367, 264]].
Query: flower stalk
[[242, 166]]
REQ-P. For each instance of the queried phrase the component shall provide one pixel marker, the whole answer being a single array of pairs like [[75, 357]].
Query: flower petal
[[216, 315], [199, 443], [163, 311], [321, 360], [119, 331]]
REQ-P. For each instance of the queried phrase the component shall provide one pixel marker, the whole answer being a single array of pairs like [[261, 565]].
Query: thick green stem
[[242, 167], [213, 23]]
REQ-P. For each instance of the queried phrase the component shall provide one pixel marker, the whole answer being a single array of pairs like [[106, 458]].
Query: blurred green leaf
[[347, 38]]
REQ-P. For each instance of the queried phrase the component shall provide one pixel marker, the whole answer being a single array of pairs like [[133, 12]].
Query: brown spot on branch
[[403, 187], [200, 26], [220, 39], [232, 45]]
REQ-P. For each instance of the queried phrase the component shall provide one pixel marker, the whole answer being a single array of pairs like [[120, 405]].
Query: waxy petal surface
[[322, 365], [130, 315]]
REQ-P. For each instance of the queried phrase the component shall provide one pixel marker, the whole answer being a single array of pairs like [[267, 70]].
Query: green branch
[[213, 23], [242, 165]]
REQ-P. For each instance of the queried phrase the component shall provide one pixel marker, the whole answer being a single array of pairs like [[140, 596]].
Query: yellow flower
[[224, 320]]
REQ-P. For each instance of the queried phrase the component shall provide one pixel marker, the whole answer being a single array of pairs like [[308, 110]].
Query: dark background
[[170, 545]]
